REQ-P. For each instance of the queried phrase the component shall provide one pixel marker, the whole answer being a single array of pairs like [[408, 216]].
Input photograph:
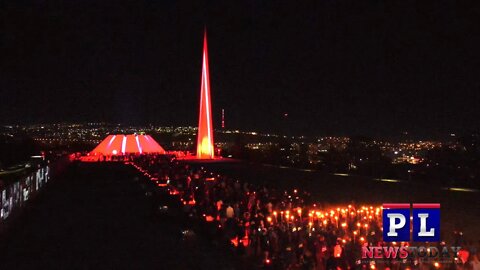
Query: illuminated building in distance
[[223, 118], [205, 149]]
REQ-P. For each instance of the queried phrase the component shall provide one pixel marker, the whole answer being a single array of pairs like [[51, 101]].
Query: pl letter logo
[[425, 222]]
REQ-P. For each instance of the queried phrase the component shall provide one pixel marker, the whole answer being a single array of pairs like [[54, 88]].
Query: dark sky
[[335, 66]]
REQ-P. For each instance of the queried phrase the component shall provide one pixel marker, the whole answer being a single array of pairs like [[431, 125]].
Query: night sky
[[336, 67]]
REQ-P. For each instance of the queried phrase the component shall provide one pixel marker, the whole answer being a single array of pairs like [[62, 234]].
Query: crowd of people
[[284, 229]]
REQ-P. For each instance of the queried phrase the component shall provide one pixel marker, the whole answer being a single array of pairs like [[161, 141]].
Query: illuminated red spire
[[205, 128]]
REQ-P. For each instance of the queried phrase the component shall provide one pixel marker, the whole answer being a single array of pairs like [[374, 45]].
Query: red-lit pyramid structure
[[127, 144]]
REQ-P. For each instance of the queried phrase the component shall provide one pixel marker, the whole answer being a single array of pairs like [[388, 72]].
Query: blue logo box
[[396, 222], [426, 222]]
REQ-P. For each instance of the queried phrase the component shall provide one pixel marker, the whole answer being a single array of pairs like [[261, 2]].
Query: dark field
[[459, 210], [97, 217]]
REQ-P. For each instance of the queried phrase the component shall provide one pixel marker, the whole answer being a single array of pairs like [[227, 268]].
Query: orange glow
[[205, 149], [337, 251], [234, 241]]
